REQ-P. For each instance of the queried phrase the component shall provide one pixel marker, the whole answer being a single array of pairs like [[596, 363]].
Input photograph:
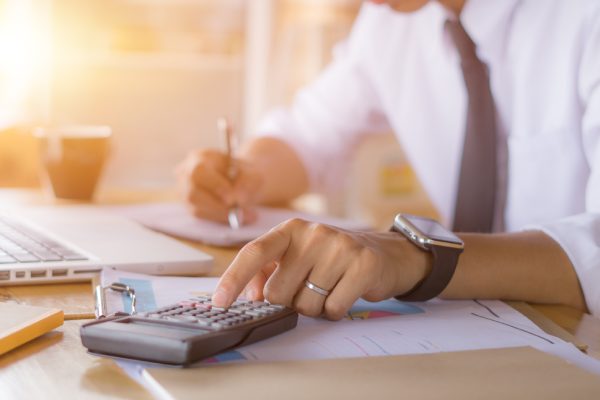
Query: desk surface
[[56, 365]]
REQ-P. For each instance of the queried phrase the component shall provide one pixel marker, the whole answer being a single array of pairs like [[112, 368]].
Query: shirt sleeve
[[579, 235], [328, 117]]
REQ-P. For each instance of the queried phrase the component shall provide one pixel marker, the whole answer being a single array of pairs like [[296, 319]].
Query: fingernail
[[220, 298]]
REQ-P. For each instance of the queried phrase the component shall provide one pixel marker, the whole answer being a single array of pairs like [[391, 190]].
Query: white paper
[[173, 219], [439, 327], [370, 329]]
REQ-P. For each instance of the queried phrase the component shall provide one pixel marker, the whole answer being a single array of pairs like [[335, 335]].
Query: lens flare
[[24, 56]]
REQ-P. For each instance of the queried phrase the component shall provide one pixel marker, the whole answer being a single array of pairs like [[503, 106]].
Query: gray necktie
[[476, 195]]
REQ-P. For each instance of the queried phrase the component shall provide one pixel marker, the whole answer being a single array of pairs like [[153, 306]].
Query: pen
[[226, 130]]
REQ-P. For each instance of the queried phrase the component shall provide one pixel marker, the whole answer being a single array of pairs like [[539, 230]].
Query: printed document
[[389, 327]]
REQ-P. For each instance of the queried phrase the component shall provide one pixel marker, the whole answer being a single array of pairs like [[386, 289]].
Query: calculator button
[[164, 309], [192, 314], [218, 308], [204, 322], [254, 313], [198, 313], [258, 303], [172, 312], [277, 307], [209, 314], [182, 318], [218, 325]]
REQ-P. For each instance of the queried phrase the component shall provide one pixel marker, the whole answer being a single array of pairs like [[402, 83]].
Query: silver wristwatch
[[445, 246]]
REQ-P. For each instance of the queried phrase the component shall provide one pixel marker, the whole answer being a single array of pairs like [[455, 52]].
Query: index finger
[[249, 261]]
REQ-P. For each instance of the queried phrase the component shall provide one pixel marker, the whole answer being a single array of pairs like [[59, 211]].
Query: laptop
[[73, 243]]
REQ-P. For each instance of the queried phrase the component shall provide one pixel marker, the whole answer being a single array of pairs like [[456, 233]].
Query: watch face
[[432, 229]]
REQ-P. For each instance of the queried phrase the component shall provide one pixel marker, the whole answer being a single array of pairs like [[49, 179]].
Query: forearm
[[527, 266], [284, 176]]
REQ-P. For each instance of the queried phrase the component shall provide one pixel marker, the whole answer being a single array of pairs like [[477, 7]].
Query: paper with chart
[[151, 292], [173, 219], [370, 329]]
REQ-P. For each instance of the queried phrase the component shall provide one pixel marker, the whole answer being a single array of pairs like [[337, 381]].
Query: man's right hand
[[207, 190]]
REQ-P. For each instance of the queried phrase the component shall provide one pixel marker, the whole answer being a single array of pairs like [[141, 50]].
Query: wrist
[[407, 264], [282, 171], [415, 266]]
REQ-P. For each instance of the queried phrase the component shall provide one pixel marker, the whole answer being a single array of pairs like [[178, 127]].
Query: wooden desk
[[56, 365]]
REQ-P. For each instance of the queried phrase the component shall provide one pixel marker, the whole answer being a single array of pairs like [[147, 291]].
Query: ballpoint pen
[[226, 130]]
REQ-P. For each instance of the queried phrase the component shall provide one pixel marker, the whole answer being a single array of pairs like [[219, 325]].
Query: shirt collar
[[488, 22]]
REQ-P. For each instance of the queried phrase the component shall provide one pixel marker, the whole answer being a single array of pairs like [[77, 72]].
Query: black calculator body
[[186, 332]]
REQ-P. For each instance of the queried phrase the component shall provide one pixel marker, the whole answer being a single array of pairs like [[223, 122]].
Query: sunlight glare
[[24, 56]]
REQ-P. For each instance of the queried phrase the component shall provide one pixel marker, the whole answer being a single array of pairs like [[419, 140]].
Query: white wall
[[159, 109]]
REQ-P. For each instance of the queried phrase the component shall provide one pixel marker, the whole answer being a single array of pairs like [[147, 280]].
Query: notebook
[[20, 323], [173, 219]]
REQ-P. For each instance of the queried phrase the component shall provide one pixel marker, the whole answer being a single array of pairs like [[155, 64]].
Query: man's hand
[[374, 266], [206, 190]]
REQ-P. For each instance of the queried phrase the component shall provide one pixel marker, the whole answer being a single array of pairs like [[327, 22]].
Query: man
[[528, 71]]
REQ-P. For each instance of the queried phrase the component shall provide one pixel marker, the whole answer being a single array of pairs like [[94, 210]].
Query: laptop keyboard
[[20, 244]]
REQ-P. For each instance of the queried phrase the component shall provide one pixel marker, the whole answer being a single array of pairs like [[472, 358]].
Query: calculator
[[188, 331]]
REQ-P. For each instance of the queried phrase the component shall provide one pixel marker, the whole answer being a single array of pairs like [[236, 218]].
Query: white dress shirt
[[401, 71]]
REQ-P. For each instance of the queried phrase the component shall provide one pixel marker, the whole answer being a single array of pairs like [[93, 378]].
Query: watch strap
[[444, 265]]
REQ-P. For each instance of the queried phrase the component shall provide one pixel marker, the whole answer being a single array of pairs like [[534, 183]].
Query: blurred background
[[160, 72]]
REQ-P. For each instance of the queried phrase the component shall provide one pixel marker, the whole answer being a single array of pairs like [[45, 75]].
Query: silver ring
[[316, 289]]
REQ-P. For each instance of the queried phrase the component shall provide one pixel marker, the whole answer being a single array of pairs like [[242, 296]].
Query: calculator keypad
[[200, 312]]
